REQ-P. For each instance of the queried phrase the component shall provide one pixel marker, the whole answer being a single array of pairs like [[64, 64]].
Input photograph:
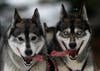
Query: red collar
[[62, 53]]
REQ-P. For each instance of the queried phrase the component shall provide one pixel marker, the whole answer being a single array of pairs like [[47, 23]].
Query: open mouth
[[74, 53], [71, 52], [28, 60]]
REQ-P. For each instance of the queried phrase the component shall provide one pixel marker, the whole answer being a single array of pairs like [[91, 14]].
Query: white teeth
[[73, 58], [27, 63]]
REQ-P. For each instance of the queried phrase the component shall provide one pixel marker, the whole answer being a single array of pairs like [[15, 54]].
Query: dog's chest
[[75, 65], [86, 65], [67, 66], [42, 66], [9, 68]]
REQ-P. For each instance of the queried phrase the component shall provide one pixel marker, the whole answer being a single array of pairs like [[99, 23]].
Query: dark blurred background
[[93, 11]]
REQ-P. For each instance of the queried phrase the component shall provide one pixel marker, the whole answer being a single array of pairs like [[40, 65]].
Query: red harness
[[63, 53], [59, 54], [54, 54]]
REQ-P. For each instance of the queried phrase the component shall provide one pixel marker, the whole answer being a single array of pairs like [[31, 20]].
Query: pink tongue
[[72, 53], [38, 58], [63, 53]]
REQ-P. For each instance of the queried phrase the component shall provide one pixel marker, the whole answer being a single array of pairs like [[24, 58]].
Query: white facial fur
[[78, 41], [85, 40], [15, 44]]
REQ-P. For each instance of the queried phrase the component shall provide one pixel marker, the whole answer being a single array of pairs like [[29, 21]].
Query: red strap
[[63, 53], [38, 58]]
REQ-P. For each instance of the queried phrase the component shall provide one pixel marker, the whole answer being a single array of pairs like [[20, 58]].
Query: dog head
[[73, 31], [25, 36]]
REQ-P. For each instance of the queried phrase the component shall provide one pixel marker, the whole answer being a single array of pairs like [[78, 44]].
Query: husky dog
[[24, 43], [72, 42]]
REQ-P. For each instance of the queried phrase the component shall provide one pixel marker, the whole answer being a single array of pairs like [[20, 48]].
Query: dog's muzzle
[[72, 53], [28, 59]]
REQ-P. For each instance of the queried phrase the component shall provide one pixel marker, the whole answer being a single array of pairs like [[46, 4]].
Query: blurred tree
[[90, 6]]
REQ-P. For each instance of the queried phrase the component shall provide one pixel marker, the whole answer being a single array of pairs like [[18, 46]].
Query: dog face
[[73, 32], [25, 37]]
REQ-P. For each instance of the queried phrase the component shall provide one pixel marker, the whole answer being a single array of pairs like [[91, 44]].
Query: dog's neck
[[74, 65], [85, 64]]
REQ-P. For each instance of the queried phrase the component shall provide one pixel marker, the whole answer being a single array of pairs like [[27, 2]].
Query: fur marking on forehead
[[25, 23], [74, 21]]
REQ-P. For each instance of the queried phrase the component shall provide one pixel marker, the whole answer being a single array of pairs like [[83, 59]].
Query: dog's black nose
[[28, 52], [72, 45]]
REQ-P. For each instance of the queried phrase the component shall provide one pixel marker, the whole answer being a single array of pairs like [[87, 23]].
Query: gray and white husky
[[71, 44], [24, 45]]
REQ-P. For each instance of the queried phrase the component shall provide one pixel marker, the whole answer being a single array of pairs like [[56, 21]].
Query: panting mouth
[[29, 59], [73, 54]]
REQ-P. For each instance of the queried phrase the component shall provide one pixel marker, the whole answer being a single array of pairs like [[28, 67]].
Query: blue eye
[[65, 34], [79, 33]]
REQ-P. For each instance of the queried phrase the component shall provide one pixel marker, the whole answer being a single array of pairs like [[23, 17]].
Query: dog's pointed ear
[[82, 12], [63, 12], [36, 16], [17, 18], [45, 26]]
